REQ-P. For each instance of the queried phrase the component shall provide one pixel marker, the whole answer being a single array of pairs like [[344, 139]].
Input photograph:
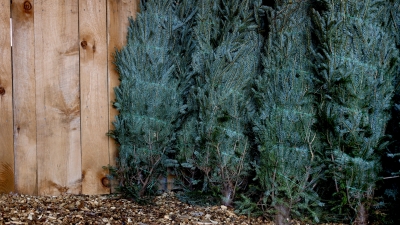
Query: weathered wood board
[[24, 88], [56, 90], [57, 97], [94, 95], [6, 96]]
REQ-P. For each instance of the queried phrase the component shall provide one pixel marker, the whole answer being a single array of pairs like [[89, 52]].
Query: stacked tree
[[395, 12], [394, 124], [355, 65], [203, 95], [389, 190], [289, 164], [147, 99], [213, 140]]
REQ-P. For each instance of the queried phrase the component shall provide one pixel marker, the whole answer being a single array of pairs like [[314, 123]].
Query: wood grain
[[57, 97], [24, 98], [94, 94], [6, 110], [64, 78], [117, 22]]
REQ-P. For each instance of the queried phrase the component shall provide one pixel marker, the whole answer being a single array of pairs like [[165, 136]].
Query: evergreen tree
[[147, 99], [213, 140], [354, 69], [395, 10], [394, 124], [183, 49], [388, 193], [289, 164]]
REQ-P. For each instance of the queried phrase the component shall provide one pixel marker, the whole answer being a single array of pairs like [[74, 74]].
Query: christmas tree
[[204, 96], [354, 70], [148, 98], [390, 185], [213, 140], [289, 164], [184, 47], [394, 124]]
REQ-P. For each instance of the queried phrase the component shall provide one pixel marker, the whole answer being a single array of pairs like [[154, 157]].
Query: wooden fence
[[56, 89]]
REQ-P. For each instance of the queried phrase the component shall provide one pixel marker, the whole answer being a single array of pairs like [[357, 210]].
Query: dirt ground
[[111, 209]]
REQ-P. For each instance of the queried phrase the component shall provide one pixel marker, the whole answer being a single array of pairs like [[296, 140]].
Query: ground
[[111, 209]]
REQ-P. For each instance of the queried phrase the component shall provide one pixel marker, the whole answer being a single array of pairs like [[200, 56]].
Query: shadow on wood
[[6, 178]]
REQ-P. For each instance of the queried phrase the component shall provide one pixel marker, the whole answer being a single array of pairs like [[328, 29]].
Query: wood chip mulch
[[111, 209]]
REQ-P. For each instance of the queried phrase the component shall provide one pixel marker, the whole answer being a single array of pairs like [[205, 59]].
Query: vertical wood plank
[[57, 97], [6, 110], [24, 97], [94, 95], [117, 22]]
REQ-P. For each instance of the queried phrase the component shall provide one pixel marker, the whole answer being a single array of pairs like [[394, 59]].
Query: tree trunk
[[282, 215], [228, 195], [362, 215]]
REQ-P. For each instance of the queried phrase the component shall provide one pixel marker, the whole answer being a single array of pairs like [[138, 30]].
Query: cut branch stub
[[105, 182]]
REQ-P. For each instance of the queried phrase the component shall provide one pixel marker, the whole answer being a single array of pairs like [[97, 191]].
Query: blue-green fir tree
[[183, 44], [148, 98], [394, 124], [395, 12], [355, 62], [388, 193], [289, 164], [183, 48], [213, 141]]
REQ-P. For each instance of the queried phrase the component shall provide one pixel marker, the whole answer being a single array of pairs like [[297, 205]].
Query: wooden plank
[[117, 23], [24, 97], [94, 95], [6, 110], [57, 97]]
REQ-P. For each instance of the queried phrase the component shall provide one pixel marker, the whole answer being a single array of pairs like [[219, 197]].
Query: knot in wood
[[27, 5], [105, 182], [2, 91], [84, 44]]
